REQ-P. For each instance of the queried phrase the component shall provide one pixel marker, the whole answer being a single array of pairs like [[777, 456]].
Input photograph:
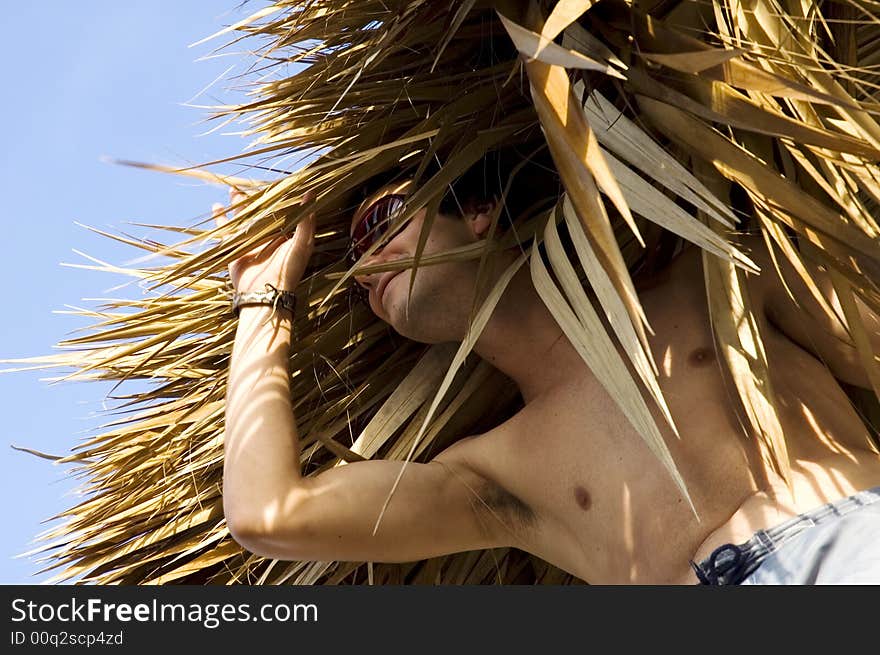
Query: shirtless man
[[566, 478]]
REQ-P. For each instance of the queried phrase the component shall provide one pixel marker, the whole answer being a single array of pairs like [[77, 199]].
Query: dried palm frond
[[652, 112]]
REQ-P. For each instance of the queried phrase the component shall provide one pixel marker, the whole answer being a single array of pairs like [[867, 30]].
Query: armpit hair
[[496, 503], [493, 503]]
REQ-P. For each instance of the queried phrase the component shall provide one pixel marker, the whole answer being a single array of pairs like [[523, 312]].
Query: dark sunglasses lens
[[375, 223]]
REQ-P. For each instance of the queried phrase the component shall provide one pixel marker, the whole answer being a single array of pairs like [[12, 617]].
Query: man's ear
[[480, 217]]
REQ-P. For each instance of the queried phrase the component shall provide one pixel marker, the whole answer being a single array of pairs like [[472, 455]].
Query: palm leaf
[[650, 112]]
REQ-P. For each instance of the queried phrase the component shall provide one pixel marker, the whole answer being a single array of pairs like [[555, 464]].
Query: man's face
[[442, 294]]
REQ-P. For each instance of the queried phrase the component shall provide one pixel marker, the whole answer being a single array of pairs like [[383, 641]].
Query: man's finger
[[304, 235], [219, 212], [236, 196]]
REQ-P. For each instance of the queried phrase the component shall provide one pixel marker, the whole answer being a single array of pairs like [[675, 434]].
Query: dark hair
[[536, 183]]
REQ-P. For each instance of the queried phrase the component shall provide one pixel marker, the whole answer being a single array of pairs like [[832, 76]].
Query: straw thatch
[[665, 120]]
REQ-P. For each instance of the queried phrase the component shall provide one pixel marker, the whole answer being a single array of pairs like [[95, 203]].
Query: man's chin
[[419, 331], [422, 320], [408, 327]]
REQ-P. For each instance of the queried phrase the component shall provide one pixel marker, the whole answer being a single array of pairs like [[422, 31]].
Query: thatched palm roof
[[655, 113]]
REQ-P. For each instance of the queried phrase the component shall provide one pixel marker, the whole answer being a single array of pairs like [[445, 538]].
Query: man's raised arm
[[273, 510]]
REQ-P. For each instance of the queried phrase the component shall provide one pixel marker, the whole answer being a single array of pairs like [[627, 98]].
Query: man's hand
[[281, 262]]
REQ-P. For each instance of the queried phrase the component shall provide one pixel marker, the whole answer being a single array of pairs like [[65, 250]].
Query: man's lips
[[380, 289]]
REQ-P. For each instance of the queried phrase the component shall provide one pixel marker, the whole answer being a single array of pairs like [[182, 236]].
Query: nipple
[[582, 497], [701, 356]]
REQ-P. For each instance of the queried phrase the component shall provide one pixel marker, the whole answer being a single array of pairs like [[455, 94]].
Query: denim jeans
[[836, 543]]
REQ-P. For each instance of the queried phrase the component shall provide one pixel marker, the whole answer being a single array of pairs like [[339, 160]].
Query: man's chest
[[605, 504], [604, 499]]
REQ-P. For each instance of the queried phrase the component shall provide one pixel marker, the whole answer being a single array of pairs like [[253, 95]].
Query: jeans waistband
[[733, 563]]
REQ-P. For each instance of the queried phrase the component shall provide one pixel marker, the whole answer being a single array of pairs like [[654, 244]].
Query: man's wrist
[[269, 295], [265, 310], [253, 317]]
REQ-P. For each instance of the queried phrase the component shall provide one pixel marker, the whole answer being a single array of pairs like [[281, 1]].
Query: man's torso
[[606, 508]]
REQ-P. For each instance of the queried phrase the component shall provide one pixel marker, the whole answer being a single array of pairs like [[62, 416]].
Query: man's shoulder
[[482, 452], [479, 454]]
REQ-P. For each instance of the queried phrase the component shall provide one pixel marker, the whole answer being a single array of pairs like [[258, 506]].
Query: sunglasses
[[373, 224]]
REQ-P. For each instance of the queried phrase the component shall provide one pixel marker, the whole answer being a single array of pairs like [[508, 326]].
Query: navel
[[582, 497], [701, 356]]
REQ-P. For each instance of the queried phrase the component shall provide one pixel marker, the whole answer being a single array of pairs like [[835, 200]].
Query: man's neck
[[523, 341]]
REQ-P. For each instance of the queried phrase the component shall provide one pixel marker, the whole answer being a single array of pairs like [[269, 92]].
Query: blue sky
[[85, 80]]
